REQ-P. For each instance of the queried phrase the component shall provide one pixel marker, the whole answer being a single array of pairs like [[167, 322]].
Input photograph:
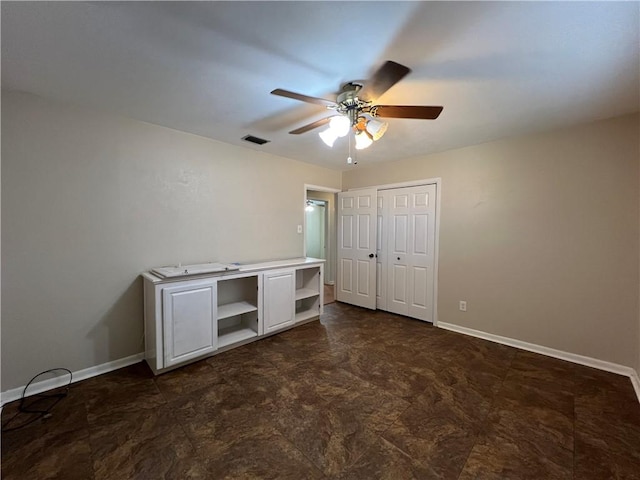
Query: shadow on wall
[[120, 332]]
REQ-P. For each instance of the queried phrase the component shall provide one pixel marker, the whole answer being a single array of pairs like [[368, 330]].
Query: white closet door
[[410, 251], [381, 253], [357, 219]]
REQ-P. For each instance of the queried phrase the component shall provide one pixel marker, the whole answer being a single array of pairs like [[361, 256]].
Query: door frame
[[437, 181], [330, 261]]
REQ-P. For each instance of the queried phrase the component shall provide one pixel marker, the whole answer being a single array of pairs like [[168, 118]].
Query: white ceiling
[[498, 68]]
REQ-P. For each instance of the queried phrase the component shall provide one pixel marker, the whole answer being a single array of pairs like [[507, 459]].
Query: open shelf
[[308, 285], [307, 307], [308, 278], [306, 315], [234, 334], [306, 293], [235, 308]]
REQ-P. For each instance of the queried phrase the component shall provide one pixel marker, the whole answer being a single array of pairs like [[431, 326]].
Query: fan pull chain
[[349, 158]]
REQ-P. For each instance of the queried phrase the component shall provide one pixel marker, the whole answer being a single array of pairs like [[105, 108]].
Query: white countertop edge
[[248, 268]]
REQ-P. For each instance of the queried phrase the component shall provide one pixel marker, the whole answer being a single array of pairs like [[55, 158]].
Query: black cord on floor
[[50, 400]]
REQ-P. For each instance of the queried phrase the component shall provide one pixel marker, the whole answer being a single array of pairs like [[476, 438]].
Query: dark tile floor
[[359, 395], [329, 296]]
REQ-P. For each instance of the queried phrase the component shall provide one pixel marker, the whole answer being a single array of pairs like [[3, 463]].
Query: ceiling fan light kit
[[376, 128], [356, 111], [328, 136], [340, 125], [363, 140]]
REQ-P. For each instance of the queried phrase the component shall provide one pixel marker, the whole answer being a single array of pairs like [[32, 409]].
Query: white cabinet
[[279, 300], [292, 296], [189, 325], [193, 317]]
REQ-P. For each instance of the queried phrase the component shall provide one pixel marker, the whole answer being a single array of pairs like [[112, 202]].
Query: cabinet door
[[189, 322], [279, 300]]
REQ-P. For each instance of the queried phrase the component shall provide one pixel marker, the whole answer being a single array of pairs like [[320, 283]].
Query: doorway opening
[[320, 232], [316, 220]]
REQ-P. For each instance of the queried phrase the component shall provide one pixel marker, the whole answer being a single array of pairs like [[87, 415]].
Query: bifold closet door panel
[[398, 261], [410, 222], [357, 221], [381, 254]]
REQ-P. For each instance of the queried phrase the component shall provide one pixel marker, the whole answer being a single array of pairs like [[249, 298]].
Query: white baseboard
[[550, 352], [635, 381], [51, 383]]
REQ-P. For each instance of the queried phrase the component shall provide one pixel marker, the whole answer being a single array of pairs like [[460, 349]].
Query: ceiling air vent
[[256, 140]]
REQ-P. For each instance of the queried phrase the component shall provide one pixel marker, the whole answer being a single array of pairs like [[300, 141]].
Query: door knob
[[398, 258], [371, 255]]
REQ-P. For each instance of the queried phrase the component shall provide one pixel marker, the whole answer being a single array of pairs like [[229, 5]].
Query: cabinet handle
[[398, 258]]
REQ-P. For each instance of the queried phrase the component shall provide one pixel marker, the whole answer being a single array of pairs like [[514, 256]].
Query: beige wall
[[539, 235], [89, 201]]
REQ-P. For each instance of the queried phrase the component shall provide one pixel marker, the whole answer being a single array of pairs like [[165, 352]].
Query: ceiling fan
[[356, 109]]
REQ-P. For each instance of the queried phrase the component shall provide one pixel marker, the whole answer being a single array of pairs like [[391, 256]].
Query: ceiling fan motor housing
[[348, 102]]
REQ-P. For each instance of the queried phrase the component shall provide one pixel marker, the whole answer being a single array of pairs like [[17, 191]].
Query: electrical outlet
[[463, 305], [299, 228]]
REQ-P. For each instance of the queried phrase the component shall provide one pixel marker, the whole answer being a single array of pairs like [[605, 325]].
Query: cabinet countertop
[[243, 268]]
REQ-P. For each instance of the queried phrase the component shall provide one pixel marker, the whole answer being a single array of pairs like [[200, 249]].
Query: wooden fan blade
[[303, 98], [406, 111], [386, 77], [310, 126]]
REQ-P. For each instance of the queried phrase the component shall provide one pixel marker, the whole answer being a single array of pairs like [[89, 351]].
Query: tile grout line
[[196, 450], [573, 398], [331, 402], [483, 424], [89, 442], [167, 402], [288, 440]]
